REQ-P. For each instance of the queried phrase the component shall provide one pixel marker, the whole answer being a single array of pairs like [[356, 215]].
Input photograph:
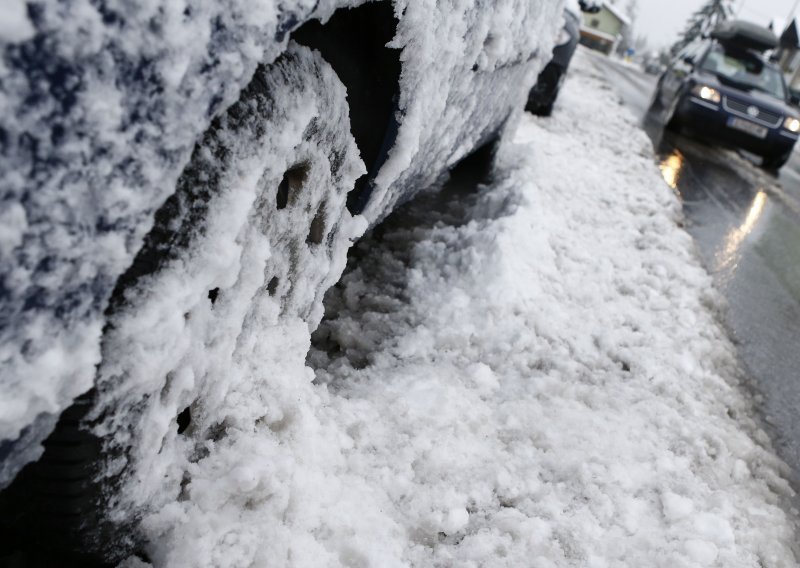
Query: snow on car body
[[109, 107]]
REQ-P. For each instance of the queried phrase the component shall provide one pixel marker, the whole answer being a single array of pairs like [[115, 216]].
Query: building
[[603, 31], [788, 55]]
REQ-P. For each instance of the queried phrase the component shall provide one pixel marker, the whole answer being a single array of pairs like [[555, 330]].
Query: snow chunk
[[702, 552], [676, 507], [455, 520], [714, 528], [13, 223]]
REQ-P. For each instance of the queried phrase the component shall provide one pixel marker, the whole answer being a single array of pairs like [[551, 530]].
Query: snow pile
[[102, 104], [532, 375]]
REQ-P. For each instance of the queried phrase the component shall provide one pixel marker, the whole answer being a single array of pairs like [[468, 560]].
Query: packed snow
[[101, 105], [530, 374]]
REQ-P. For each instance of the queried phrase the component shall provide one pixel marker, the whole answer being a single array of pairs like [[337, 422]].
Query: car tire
[[670, 115], [543, 95], [49, 514], [543, 110], [656, 105], [257, 228], [774, 163]]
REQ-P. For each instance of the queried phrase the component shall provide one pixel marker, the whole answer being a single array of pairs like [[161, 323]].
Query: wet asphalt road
[[746, 224]]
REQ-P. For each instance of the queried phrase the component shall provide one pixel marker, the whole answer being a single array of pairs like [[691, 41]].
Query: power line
[[793, 12]]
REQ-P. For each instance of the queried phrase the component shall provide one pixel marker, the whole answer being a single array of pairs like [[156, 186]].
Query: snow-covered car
[[724, 89], [544, 93], [180, 185]]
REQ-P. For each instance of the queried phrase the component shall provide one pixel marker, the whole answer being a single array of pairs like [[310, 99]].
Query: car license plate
[[749, 127]]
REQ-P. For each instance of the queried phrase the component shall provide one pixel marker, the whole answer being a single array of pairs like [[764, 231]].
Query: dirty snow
[[530, 375]]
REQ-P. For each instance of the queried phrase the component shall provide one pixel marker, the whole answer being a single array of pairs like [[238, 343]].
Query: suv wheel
[[775, 163]]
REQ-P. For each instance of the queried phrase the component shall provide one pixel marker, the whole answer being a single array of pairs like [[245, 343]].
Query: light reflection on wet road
[[746, 224]]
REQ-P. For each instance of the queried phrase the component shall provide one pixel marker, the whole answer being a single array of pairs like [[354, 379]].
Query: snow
[[530, 374], [102, 105], [99, 116], [618, 13], [15, 25]]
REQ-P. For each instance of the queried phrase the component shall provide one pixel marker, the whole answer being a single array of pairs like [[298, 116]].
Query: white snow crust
[[99, 111], [534, 375], [15, 25], [101, 105]]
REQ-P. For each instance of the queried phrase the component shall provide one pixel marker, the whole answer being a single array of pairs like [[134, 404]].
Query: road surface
[[746, 224]]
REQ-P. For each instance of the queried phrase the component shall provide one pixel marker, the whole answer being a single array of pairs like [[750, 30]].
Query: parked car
[[544, 94], [725, 90], [170, 173], [652, 64]]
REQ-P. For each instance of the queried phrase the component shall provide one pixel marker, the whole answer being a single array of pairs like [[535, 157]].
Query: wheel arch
[[354, 43]]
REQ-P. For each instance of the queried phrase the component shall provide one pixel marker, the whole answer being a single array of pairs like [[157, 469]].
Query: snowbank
[[533, 375]]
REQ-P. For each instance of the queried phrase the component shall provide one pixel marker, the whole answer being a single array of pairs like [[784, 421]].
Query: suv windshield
[[744, 70]]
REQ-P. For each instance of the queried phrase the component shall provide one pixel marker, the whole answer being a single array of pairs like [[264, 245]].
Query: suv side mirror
[[688, 59], [794, 98], [590, 6]]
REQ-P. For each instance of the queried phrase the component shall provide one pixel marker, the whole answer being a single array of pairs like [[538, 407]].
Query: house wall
[[790, 64], [603, 21]]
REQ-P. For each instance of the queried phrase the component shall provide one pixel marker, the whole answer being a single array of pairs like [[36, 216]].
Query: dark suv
[[724, 89]]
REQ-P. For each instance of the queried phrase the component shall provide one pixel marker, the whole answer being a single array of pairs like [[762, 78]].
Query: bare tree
[[641, 44], [703, 21], [627, 40], [633, 10]]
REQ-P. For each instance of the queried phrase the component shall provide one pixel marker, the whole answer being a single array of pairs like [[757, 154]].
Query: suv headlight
[[707, 93], [791, 124]]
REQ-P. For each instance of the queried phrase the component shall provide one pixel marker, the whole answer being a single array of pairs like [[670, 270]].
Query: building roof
[[789, 37], [619, 14]]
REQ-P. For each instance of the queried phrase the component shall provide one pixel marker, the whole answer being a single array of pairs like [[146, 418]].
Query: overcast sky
[[662, 20]]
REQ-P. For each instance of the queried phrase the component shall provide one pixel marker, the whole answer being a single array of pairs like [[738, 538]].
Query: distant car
[[544, 94], [653, 67], [794, 97], [723, 89]]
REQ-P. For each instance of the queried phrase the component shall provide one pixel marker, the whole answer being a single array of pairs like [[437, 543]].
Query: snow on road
[[532, 375]]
